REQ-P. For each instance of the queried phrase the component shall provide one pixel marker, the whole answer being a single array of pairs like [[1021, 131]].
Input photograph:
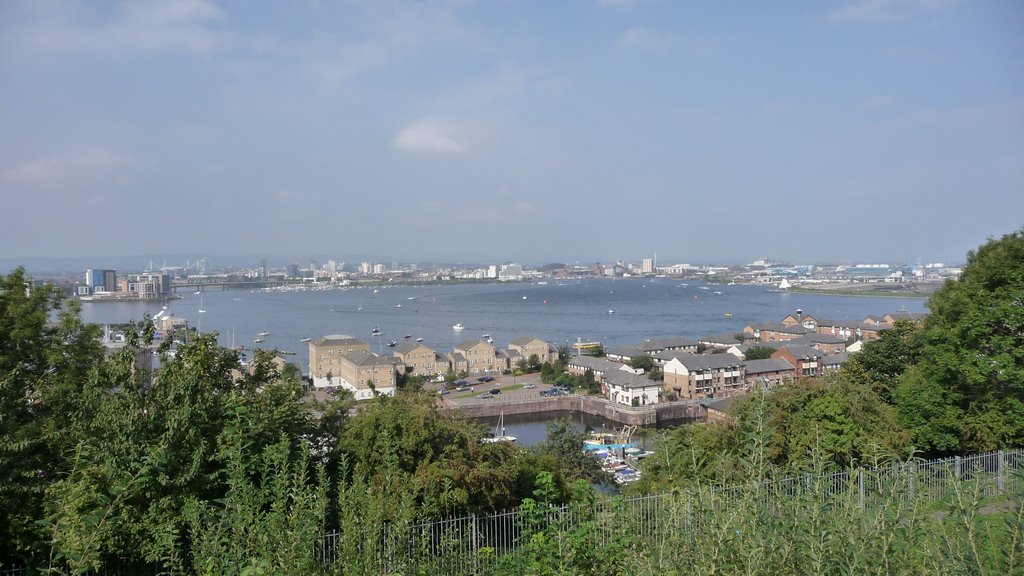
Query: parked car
[[463, 389], [529, 386], [484, 395], [485, 379], [462, 383], [442, 391], [494, 391]]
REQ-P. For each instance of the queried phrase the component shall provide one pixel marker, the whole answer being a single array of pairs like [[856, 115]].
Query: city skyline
[[460, 131]]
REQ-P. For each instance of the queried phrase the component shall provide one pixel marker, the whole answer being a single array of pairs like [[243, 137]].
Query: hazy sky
[[860, 130]]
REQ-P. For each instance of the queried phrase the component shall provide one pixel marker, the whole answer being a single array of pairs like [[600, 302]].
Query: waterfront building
[[767, 373], [325, 357], [651, 347], [600, 367], [423, 360], [771, 332], [510, 272], [477, 355], [621, 387], [806, 361], [833, 362], [526, 346], [692, 376], [847, 329], [726, 340], [366, 374]]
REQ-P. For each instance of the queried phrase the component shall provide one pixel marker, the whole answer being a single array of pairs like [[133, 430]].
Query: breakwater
[[649, 415]]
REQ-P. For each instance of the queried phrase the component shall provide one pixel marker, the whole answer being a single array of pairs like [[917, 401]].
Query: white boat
[[785, 285], [262, 334], [458, 326], [376, 331], [705, 288], [719, 292], [524, 297], [499, 433], [398, 305], [305, 340], [419, 339], [610, 311], [257, 341]]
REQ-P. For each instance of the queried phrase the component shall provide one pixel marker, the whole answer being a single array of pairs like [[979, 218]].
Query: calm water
[[559, 312]]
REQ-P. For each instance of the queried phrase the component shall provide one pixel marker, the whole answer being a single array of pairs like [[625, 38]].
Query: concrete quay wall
[[640, 416]]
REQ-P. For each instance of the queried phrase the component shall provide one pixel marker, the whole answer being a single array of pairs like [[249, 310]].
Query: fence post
[[957, 472], [689, 508], [1001, 472], [860, 481], [911, 478]]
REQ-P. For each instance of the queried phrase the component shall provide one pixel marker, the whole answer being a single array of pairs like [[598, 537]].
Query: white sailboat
[[499, 433], [202, 309], [785, 285]]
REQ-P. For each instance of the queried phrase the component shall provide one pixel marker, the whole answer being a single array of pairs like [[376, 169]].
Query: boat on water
[[785, 285], [305, 340], [499, 433], [524, 297], [262, 334], [458, 326], [398, 305], [611, 442], [419, 339], [485, 336], [392, 344], [705, 288], [610, 311], [257, 341], [407, 336], [376, 331], [719, 292]]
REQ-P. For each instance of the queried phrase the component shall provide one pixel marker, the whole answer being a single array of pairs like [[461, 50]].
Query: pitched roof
[[594, 364], [524, 340], [708, 361], [778, 327], [628, 379], [835, 359], [367, 358], [406, 347], [467, 344], [817, 338], [723, 338], [801, 351], [668, 355], [768, 365], [338, 340]]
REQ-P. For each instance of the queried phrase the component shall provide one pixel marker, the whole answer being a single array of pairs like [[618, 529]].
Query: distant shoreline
[[863, 293]]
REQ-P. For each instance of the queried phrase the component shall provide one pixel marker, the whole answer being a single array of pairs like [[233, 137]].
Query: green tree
[[643, 362], [928, 411], [565, 443], [974, 343], [759, 353], [43, 370], [885, 359]]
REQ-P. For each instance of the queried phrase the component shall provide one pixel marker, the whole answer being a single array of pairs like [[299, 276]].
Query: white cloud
[[643, 39], [429, 135], [81, 164], [885, 11]]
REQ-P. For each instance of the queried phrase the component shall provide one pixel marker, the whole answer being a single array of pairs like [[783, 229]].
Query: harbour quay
[[649, 415]]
